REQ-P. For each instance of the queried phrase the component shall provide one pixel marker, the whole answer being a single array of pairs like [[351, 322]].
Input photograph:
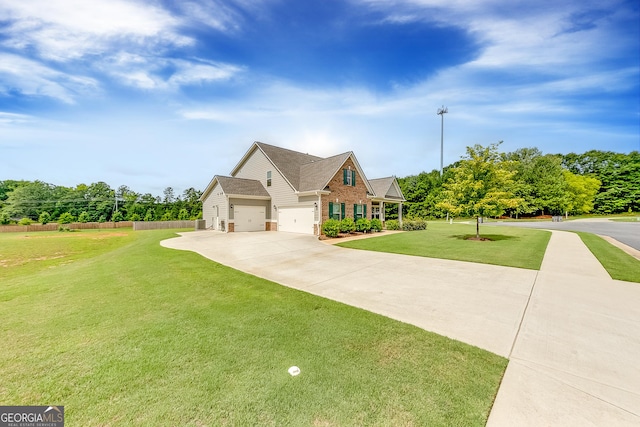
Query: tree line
[[525, 182], [37, 201]]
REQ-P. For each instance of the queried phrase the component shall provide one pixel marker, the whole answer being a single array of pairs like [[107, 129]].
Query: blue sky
[[152, 94]]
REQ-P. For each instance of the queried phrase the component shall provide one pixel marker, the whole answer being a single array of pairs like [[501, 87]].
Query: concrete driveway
[[571, 333], [475, 303]]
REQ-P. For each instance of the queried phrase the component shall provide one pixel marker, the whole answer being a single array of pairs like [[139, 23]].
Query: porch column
[[400, 213], [382, 212]]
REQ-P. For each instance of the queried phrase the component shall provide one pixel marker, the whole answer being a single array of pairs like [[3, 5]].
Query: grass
[[619, 264], [124, 332], [628, 219], [510, 246]]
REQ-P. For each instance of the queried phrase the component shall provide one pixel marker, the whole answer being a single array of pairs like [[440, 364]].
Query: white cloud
[[13, 118], [34, 79], [67, 29]]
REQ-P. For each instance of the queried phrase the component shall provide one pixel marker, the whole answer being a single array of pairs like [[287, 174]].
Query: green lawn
[[619, 264], [124, 332], [510, 246]]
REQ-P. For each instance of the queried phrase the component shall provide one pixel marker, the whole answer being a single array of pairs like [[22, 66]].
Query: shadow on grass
[[484, 237]]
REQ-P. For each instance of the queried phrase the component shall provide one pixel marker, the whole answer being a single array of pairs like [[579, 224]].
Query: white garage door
[[296, 220], [248, 218]]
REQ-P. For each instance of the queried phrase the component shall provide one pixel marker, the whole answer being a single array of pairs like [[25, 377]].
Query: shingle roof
[[315, 175], [241, 186], [287, 161], [383, 187]]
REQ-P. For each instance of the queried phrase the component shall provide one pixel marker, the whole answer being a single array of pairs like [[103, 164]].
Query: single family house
[[276, 189]]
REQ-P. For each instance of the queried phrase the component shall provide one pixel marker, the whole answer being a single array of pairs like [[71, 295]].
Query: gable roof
[[305, 173], [232, 186], [387, 188], [316, 175], [287, 162]]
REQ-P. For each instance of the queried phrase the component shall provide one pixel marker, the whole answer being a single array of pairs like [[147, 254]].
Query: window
[[336, 210], [349, 177], [375, 212], [359, 211], [268, 178]]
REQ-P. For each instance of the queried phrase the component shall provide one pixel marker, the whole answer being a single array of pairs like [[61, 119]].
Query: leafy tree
[[29, 200], [66, 218], [44, 218], [422, 192], [117, 216], [83, 217], [183, 215], [582, 191], [150, 215], [481, 185], [4, 218], [169, 196], [619, 174], [539, 181]]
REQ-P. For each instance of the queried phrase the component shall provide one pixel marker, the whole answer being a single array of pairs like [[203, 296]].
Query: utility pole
[[441, 112]]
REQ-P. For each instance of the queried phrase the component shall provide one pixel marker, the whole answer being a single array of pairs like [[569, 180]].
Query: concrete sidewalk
[[576, 358]]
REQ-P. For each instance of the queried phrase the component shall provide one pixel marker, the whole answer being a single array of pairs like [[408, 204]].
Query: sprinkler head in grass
[[294, 370]]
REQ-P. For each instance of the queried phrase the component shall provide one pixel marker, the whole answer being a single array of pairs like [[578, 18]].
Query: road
[[625, 232]]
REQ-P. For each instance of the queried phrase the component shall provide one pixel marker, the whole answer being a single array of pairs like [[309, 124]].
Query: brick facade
[[342, 193]]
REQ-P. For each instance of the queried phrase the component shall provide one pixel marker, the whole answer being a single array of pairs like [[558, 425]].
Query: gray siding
[[393, 191], [256, 167], [215, 199]]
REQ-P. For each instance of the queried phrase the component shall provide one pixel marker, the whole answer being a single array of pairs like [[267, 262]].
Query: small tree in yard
[[65, 218], [481, 185], [83, 217], [117, 216], [44, 218]]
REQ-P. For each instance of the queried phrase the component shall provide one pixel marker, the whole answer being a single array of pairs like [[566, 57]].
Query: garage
[[296, 220], [249, 218]]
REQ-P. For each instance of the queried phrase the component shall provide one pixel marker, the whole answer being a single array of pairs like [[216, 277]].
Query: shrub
[[414, 224], [4, 218], [363, 225], [65, 218], [25, 221], [134, 217], [331, 228], [83, 217], [117, 216], [150, 215], [347, 225], [392, 224], [44, 218], [183, 214], [103, 218], [62, 228], [376, 224]]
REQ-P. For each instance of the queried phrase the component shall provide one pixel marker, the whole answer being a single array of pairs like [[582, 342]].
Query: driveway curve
[[479, 304]]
